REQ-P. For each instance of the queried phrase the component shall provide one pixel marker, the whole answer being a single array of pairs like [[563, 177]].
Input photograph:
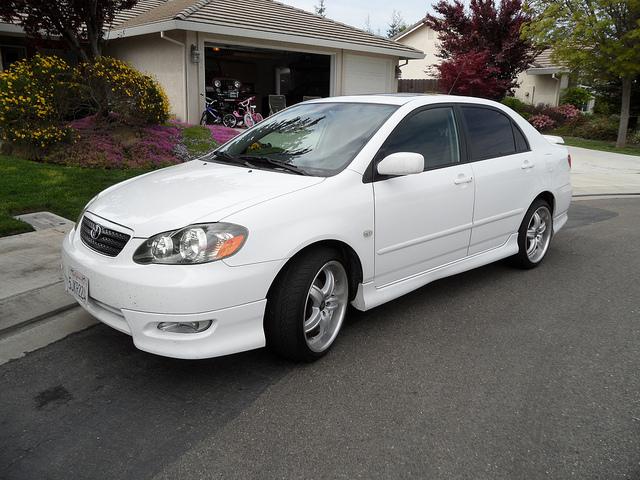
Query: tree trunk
[[624, 113]]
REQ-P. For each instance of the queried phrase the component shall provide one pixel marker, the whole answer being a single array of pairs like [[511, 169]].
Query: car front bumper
[[135, 298]]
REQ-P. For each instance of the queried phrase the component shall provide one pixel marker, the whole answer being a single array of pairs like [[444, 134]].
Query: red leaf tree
[[481, 48]]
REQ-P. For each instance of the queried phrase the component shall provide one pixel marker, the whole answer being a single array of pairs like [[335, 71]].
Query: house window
[[10, 54]]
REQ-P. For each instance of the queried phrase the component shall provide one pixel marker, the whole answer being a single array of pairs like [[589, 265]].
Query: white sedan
[[352, 200]]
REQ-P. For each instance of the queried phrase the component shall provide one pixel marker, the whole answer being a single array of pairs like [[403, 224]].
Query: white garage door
[[363, 74]]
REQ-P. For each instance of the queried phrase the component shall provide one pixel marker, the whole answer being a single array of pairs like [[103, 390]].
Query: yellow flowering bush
[[43, 98], [113, 87], [34, 95]]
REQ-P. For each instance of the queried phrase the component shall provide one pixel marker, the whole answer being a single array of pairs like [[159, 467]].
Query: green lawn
[[27, 187], [198, 140], [603, 145]]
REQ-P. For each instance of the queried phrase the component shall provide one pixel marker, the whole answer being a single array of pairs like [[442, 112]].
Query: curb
[[26, 339], [28, 307], [604, 196]]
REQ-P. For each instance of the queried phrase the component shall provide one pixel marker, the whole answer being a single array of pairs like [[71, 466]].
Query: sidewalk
[[32, 291], [598, 173]]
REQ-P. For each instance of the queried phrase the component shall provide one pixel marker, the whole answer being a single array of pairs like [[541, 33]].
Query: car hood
[[193, 192]]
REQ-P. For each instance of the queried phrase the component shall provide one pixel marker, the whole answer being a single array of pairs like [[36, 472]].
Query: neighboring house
[[191, 46], [541, 83], [420, 37]]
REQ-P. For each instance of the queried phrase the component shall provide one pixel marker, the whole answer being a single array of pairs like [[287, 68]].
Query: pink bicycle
[[247, 112]]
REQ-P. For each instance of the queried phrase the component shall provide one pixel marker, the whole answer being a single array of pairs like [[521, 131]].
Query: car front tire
[[306, 305]]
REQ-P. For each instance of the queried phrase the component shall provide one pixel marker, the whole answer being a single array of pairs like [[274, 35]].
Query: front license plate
[[77, 285]]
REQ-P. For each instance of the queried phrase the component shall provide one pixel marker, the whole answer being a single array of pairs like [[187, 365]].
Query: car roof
[[404, 99]]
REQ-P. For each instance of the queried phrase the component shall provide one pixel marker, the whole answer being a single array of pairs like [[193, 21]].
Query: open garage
[[267, 47], [276, 78]]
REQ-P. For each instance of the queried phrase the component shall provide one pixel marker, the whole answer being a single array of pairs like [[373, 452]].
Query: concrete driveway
[[595, 172], [493, 374]]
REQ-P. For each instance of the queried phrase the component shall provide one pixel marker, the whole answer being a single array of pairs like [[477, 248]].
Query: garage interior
[[263, 72]]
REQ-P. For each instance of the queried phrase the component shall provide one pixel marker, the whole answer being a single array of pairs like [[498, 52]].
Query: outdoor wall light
[[195, 54]]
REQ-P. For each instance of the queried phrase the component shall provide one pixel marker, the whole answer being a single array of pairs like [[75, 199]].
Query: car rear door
[[423, 221], [504, 171]]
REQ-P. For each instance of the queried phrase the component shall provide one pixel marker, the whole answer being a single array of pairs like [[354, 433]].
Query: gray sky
[[354, 12]]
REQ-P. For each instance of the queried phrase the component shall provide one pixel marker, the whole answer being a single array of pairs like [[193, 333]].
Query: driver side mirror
[[401, 163]]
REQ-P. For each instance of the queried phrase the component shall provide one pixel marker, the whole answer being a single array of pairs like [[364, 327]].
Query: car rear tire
[[306, 305], [534, 235]]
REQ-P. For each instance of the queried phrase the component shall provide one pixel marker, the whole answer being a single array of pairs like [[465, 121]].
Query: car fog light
[[184, 327]]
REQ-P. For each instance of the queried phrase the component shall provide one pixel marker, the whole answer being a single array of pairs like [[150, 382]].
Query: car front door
[[504, 171], [423, 221]]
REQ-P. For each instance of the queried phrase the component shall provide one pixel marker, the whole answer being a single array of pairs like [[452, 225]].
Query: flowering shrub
[[34, 95], [111, 85], [109, 145], [567, 111], [156, 147], [222, 134], [39, 95], [542, 122]]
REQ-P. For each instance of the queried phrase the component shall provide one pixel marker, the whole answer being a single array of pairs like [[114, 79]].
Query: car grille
[[104, 240]]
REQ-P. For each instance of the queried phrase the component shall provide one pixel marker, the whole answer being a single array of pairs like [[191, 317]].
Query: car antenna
[[464, 64]]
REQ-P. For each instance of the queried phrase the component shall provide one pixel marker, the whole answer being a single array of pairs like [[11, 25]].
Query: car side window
[[430, 132], [490, 133]]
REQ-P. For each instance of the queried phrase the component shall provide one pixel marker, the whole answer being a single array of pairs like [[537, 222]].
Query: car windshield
[[318, 139]]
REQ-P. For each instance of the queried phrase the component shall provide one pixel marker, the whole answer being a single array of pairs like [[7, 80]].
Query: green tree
[[600, 39], [79, 23], [397, 24]]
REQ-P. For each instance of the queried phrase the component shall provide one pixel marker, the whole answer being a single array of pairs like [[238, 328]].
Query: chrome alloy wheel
[[326, 306], [539, 234]]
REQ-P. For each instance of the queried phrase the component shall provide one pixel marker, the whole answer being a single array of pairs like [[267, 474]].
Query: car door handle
[[527, 165], [462, 180]]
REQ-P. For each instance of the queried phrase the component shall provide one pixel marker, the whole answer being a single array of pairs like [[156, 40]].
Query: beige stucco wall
[[159, 58], [425, 39], [352, 72], [540, 89]]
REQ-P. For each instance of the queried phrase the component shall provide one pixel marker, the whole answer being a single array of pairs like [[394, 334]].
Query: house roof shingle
[[254, 15], [543, 60]]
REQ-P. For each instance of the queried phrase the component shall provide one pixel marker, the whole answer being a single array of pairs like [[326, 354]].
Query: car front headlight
[[192, 245]]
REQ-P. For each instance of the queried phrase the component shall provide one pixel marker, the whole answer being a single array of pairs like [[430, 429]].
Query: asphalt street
[[493, 374]]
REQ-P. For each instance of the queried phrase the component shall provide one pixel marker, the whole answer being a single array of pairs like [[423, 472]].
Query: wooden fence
[[418, 85]]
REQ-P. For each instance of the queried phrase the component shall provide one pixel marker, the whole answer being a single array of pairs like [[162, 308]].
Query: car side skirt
[[370, 296]]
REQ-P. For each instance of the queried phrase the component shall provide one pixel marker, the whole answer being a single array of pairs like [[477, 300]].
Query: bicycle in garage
[[212, 114]]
